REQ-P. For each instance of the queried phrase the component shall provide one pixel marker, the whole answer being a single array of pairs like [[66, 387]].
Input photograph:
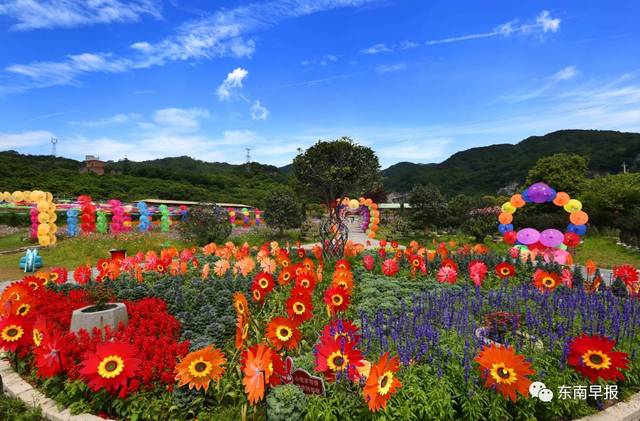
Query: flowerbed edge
[[16, 387]]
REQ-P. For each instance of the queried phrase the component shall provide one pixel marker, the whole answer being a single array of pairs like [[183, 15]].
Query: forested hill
[[475, 171], [180, 178], [488, 169]]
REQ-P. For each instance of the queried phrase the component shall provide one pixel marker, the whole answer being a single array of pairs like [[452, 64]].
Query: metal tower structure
[[248, 164], [54, 142]]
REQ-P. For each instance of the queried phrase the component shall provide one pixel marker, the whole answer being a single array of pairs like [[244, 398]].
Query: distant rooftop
[[186, 202]]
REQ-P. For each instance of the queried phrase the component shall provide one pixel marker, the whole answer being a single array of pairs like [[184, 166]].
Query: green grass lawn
[[12, 242], [76, 251]]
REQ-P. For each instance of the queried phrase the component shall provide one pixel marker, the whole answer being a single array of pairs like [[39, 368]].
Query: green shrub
[[15, 409], [206, 224], [286, 403]]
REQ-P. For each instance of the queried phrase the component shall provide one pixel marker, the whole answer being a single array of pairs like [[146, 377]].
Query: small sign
[[311, 385]]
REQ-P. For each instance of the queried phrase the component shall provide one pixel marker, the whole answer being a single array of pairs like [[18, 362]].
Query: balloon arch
[[365, 208]]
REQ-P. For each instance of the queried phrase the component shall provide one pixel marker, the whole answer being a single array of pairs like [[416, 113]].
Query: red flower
[[261, 367], [82, 274], [299, 306], [48, 359], [450, 263], [342, 264], [286, 275], [390, 267], [505, 270], [306, 281], [394, 244], [368, 262], [338, 358], [593, 357], [110, 366], [477, 272], [447, 274], [58, 275], [340, 329], [626, 273], [337, 299]]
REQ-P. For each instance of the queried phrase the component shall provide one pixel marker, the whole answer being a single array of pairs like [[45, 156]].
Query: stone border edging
[[622, 411], [14, 386]]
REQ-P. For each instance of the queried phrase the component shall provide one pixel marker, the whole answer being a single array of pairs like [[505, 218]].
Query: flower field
[[273, 332]]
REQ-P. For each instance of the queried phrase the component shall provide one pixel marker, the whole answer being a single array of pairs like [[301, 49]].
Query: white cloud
[[32, 14], [24, 139], [376, 49], [567, 73], [259, 112], [180, 119], [233, 81], [390, 68], [407, 45], [114, 119], [547, 23], [225, 33], [315, 82]]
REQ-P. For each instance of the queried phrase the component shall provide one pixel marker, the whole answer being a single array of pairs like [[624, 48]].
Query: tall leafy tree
[[563, 172], [332, 169], [282, 210], [428, 206]]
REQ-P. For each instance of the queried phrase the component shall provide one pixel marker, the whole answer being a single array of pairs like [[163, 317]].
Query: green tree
[[282, 210], [332, 169], [563, 172], [428, 206], [205, 224]]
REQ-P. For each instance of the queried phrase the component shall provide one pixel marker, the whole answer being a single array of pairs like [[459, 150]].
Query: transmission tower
[[248, 164], [54, 142]]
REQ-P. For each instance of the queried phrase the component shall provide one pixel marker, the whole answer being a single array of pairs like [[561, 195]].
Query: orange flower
[[221, 267], [591, 267], [198, 368], [308, 264], [504, 371], [268, 265], [240, 304], [261, 367], [546, 281], [285, 276], [242, 330], [283, 333], [381, 382], [209, 249], [343, 278], [205, 271]]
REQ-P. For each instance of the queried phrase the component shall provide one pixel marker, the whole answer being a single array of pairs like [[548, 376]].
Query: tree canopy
[[332, 169], [563, 172]]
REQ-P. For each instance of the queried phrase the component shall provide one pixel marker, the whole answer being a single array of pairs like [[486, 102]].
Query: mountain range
[[483, 170]]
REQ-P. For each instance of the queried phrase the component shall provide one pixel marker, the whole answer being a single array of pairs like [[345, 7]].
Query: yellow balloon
[[52, 239], [43, 229], [5, 197], [27, 196], [44, 240], [49, 197], [53, 228], [42, 206], [52, 216], [43, 217], [354, 204], [18, 196], [573, 205], [508, 207]]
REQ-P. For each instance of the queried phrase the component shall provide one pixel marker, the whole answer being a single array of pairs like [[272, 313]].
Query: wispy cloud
[[24, 139], [179, 119], [390, 68], [567, 73], [32, 14], [377, 49], [322, 61], [564, 74], [542, 24], [107, 121], [226, 33], [232, 82], [315, 81], [258, 111], [50, 115]]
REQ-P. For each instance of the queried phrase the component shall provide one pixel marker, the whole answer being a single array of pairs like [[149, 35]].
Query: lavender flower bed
[[437, 328]]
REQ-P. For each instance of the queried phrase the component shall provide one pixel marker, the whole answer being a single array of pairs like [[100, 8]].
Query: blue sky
[[415, 80]]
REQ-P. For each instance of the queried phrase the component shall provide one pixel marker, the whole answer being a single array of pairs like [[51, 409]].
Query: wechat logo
[[540, 391]]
